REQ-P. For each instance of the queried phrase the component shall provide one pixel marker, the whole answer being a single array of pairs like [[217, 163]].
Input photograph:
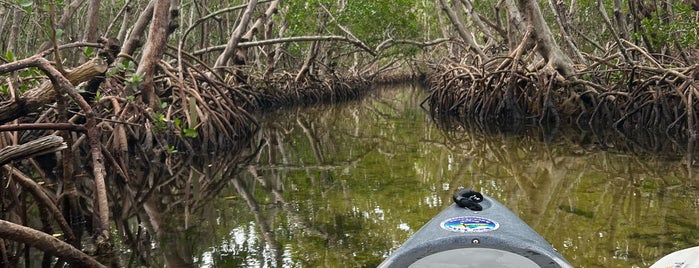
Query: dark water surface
[[344, 185]]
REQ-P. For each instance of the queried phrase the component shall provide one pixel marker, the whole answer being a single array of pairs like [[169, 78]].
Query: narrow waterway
[[344, 185]]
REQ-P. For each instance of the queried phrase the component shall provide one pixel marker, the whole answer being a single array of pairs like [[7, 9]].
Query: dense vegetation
[[114, 84]]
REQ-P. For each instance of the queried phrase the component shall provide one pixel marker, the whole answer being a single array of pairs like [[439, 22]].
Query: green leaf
[[59, 33], [136, 79], [190, 133], [88, 52], [112, 71], [10, 56], [26, 3], [128, 65], [170, 149]]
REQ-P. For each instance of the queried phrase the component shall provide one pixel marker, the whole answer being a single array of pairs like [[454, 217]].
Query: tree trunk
[[558, 8], [235, 38], [515, 25], [444, 29], [620, 19], [305, 69], [134, 39], [14, 30], [543, 37], [276, 53], [93, 16], [153, 51], [260, 22], [124, 22], [475, 17], [461, 29]]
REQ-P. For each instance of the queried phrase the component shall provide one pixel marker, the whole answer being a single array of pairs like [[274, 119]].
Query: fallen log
[[34, 98], [43, 145]]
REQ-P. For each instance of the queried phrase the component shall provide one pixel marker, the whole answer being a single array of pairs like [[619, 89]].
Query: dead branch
[[34, 99], [43, 145]]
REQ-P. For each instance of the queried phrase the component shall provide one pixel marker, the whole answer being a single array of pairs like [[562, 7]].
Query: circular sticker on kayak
[[470, 224]]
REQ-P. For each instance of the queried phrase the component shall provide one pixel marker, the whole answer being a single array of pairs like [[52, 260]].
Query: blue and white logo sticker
[[470, 224]]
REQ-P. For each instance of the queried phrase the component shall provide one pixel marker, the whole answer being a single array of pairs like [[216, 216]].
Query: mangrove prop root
[[645, 95], [46, 243]]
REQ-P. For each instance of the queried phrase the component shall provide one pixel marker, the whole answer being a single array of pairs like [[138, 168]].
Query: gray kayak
[[476, 231]]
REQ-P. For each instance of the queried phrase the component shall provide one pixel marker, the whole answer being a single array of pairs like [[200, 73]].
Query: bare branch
[[289, 40]]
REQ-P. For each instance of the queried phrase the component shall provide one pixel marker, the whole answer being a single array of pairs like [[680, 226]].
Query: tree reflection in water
[[344, 185]]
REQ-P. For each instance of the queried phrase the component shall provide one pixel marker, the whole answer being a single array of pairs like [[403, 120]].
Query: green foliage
[[126, 66], [133, 80], [371, 21], [159, 122], [25, 3], [128, 69], [185, 131], [682, 28]]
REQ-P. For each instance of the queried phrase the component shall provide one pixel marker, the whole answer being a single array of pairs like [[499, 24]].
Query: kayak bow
[[475, 231]]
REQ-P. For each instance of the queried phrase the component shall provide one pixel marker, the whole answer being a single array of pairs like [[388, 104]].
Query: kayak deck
[[468, 237]]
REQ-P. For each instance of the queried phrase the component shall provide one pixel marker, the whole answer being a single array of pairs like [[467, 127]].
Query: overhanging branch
[[292, 39]]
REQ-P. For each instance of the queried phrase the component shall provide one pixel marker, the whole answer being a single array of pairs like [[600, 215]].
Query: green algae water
[[345, 185]]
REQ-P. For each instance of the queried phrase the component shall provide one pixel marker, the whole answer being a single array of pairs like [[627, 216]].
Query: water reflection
[[167, 208], [344, 185]]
